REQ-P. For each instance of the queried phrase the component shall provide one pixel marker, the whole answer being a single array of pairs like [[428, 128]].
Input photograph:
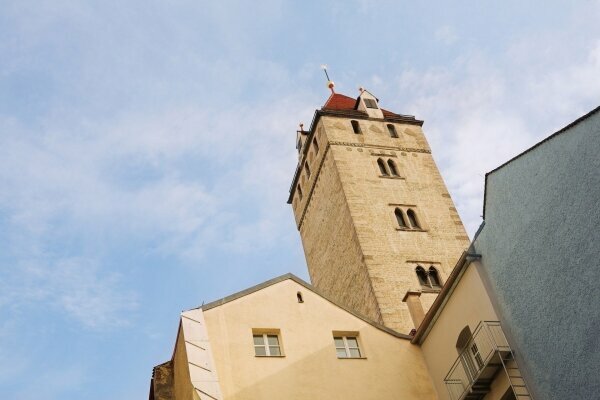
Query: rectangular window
[[370, 103], [347, 347], [266, 345]]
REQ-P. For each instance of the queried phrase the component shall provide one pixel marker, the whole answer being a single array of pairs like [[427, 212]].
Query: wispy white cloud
[[76, 287], [480, 114], [446, 34]]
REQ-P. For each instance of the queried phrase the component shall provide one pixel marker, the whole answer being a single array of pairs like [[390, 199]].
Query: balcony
[[483, 357]]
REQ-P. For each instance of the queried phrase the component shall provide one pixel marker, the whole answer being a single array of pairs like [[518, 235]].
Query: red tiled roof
[[388, 114], [341, 102]]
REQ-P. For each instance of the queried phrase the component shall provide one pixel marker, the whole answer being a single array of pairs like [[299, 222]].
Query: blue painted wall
[[540, 250]]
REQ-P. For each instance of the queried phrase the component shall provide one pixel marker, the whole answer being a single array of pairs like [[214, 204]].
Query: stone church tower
[[379, 229]]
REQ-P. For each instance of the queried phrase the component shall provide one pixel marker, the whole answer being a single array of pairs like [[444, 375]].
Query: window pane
[[274, 350], [258, 340], [273, 340], [339, 342], [370, 103], [354, 353], [352, 342], [260, 351], [341, 353]]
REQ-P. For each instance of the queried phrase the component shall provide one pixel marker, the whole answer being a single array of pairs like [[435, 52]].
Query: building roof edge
[[308, 286], [558, 132]]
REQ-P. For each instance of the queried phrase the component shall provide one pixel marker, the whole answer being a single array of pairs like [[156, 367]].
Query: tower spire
[[330, 83]]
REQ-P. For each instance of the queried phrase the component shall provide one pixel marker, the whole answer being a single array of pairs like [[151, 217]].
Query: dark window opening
[[412, 218], [434, 279], [422, 275], [307, 169], [299, 192], [316, 146], [393, 169], [370, 103], [463, 339], [382, 168], [392, 131], [400, 218], [355, 127], [299, 296]]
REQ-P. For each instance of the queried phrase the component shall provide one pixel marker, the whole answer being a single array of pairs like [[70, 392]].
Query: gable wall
[[393, 368]]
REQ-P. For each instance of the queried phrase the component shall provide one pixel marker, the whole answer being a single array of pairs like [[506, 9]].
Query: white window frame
[[347, 347], [266, 345]]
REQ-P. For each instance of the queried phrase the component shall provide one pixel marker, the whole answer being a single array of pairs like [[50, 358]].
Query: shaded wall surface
[[540, 254]]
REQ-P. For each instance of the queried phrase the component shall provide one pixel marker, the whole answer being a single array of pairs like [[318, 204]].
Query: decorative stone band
[[371, 146], [346, 144]]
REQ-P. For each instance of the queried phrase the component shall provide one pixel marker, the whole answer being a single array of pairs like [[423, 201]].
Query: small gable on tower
[[369, 104]]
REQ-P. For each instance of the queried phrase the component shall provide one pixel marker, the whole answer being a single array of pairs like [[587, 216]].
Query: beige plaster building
[[396, 309]]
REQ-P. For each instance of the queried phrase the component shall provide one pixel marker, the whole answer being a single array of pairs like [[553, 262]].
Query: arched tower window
[[382, 168], [412, 218], [422, 275], [434, 278], [355, 126], [400, 218], [392, 131], [299, 297], [393, 169]]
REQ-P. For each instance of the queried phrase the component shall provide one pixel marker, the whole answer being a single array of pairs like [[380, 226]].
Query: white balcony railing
[[467, 374]]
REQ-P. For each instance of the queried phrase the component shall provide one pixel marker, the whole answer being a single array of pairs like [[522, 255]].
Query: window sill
[[281, 356], [410, 230], [391, 177], [431, 290], [352, 358]]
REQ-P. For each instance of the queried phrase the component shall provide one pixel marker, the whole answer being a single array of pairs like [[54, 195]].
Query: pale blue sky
[[146, 150]]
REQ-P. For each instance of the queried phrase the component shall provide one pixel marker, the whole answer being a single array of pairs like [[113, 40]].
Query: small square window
[[347, 347], [266, 345], [370, 103]]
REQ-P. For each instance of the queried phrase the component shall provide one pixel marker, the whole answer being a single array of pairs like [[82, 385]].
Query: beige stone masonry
[[355, 250]]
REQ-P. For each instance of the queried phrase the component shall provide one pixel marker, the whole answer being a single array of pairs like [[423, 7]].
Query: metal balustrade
[[484, 354]]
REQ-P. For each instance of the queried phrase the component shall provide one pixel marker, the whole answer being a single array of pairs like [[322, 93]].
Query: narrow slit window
[[307, 169], [355, 127], [422, 275], [382, 168], [316, 144], [299, 192], [400, 218], [393, 169], [392, 131], [412, 218], [434, 279], [299, 297]]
